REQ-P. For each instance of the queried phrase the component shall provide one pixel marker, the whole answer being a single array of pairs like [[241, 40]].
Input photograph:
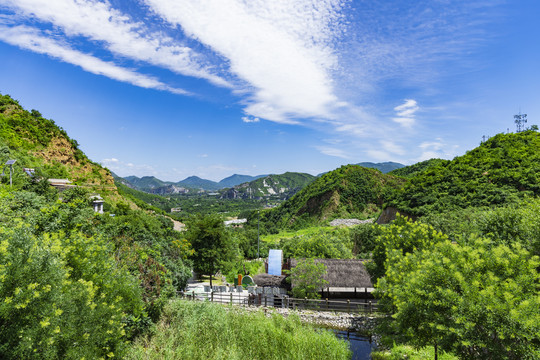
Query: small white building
[[97, 203]]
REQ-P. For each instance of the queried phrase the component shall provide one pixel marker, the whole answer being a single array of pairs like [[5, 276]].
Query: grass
[[199, 330], [275, 238], [399, 352]]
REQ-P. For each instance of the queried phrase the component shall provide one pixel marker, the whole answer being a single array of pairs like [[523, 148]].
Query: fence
[[338, 305]]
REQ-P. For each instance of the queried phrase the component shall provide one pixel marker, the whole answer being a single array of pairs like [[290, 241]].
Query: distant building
[[61, 184], [178, 209], [235, 222]]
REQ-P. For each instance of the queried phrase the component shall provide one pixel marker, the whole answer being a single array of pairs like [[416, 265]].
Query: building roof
[[343, 273]]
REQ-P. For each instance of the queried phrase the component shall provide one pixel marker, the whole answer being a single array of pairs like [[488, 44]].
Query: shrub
[[61, 297]]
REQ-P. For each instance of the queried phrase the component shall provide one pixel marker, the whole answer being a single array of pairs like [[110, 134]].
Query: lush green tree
[[402, 237], [307, 279], [479, 300], [214, 247]]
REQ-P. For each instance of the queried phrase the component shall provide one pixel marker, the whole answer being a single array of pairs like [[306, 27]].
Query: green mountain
[[198, 183], [499, 171], [349, 191], [236, 179], [412, 170], [384, 167], [145, 183], [271, 186]]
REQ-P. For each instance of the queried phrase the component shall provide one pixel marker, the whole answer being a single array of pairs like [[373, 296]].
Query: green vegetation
[[329, 245], [502, 170], [188, 204], [399, 239], [350, 191], [59, 287], [36, 142], [415, 169], [194, 330], [399, 352], [271, 187], [307, 279], [384, 167], [461, 281], [214, 248], [478, 298]]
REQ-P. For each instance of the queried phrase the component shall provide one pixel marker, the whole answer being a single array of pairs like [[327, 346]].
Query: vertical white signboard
[[274, 262]]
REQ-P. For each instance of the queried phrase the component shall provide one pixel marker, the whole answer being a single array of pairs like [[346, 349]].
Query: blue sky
[[174, 88]]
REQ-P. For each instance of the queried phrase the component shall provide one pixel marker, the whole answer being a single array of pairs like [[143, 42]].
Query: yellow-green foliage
[[400, 352], [205, 331], [62, 297]]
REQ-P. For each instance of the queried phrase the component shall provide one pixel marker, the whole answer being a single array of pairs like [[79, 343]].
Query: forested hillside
[[501, 170], [38, 143], [68, 274], [412, 170], [350, 191]]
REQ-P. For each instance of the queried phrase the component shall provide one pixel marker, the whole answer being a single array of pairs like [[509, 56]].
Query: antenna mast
[[520, 120]]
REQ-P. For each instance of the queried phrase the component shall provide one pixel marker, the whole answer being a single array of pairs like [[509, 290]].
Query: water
[[360, 346]]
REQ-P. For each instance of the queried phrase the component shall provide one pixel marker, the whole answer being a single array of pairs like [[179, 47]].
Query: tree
[[307, 279], [479, 300], [403, 237], [213, 245]]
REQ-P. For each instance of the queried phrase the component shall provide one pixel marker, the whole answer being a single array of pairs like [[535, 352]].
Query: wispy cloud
[[405, 113], [31, 39], [116, 32], [291, 62], [281, 50], [437, 148], [122, 168], [332, 151], [250, 119]]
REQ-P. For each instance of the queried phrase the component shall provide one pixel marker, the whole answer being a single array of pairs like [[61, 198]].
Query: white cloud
[[30, 39], [281, 50], [437, 148], [250, 119], [126, 169], [330, 151], [378, 155], [406, 113], [118, 33], [392, 147]]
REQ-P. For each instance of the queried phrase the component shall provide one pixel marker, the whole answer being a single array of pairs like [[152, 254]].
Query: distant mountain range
[[287, 183], [153, 185]]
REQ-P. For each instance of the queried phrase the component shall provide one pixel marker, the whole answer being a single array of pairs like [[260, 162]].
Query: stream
[[360, 346]]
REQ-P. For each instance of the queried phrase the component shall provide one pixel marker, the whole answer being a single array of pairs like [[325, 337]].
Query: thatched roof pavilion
[[343, 273]]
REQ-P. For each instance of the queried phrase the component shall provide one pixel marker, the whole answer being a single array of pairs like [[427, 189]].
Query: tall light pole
[[10, 163]]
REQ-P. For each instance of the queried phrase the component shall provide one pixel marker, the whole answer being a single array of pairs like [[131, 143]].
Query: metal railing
[[354, 306]]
